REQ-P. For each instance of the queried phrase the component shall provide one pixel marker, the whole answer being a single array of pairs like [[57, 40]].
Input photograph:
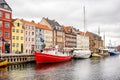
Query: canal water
[[82, 69]]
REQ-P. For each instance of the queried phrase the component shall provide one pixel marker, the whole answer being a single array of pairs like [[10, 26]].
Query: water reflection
[[50, 71], [21, 66], [84, 69], [3, 74], [54, 65]]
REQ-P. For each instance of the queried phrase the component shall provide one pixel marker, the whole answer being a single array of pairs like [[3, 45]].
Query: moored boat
[[99, 53], [3, 62], [104, 52], [81, 53], [113, 53], [52, 55], [96, 55]]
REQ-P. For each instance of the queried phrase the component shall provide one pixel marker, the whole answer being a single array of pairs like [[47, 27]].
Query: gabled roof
[[36, 25], [42, 27], [67, 29], [54, 24], [13, 20], [94, 35], [4, 5], [28, 22]]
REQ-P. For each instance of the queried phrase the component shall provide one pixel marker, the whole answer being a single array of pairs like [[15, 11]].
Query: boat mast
[[84, 27], [84, 21], [104, 39]]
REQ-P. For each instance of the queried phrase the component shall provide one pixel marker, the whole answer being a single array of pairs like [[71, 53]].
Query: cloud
[[103, 13]]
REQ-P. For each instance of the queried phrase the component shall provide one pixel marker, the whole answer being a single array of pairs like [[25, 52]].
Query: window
[[7, 15], [21, 31], [40, 30], [29, 39], [0, 23], [13, 30], [26, 39], [26, 26], [21, 38], [7, 34], [17, 30], [5, 6], [17, 45], [17, 37], [13, 37], [0, 43], [0, 33], [7, 24], [32, 33], [32, 39], [32, 27], [26, 32], [13, 45], [0, 13], [18, 24]]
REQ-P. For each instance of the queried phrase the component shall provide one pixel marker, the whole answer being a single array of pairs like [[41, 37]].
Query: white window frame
[[0, 43], [7, 36], [1, 23], [7, 24], [0, 33], [7, 15]]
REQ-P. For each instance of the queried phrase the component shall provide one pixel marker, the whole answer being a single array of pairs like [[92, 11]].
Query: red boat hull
[[48, 58]]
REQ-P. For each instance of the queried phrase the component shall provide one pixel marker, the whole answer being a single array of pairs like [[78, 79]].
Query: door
[[21, 48], [7, 48]]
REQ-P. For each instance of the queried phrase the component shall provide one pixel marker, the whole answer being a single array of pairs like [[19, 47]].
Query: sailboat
[[113, 50], [82, 53]]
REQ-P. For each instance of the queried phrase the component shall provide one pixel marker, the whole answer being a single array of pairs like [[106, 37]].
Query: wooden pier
[[18, 58]]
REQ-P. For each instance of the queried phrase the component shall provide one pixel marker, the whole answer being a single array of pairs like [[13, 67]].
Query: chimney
[[33, 21]]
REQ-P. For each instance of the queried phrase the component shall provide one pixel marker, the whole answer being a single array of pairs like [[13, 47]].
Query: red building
[[5, 27]]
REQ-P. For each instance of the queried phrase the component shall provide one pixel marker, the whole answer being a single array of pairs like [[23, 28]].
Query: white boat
[[82, 53]]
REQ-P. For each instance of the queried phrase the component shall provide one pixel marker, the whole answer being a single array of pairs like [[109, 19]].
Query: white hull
[[83, 54]]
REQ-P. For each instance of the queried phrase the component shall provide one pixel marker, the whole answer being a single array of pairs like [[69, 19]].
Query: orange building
[[95, 40]]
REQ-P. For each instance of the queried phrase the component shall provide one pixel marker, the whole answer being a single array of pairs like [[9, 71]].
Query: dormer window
[[5, 6], [18, 24]]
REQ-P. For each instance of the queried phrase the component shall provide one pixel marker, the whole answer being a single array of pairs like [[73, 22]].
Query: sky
[[99, 14]]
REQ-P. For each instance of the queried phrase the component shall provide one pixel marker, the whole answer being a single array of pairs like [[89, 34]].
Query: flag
[[41, 39], [3, 40]]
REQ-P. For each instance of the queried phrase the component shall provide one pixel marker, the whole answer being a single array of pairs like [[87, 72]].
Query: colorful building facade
[[43, 36], [95, 40], [70, 37], [58, 31], [29, 42], [17, 36], [82, 40], [5, 27]]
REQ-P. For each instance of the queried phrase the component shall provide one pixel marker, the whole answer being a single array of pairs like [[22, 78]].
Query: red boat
[[51, 55]]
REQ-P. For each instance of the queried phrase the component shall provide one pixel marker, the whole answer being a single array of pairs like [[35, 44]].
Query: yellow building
[[17, 36]]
